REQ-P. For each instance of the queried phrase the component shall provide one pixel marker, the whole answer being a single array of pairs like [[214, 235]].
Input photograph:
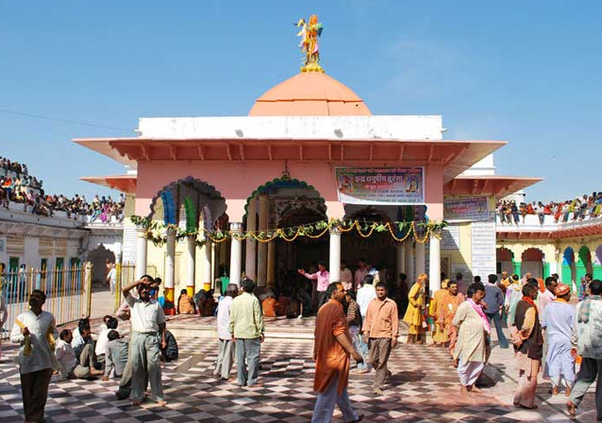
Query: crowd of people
[[25, 189], [547, 332], [357, 318], [12, 166], [101, 209], [580, 208]]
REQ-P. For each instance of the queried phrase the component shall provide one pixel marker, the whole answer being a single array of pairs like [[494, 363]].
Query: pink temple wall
[[236, 181]]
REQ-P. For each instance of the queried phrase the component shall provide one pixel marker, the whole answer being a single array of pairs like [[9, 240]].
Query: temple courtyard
[[424, 387]]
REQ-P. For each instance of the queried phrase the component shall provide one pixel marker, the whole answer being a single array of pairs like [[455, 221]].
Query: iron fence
[[68, 292]]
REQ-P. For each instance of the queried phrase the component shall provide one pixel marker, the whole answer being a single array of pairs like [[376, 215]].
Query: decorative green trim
[[546, 270], [517, 267], [189, 209]]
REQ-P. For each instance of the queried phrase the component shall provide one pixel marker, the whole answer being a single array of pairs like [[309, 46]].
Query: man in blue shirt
[[494, 298]]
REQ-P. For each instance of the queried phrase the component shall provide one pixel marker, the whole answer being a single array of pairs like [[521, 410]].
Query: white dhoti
[[470, 372]]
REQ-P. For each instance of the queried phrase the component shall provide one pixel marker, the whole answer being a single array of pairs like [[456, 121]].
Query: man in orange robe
[[332, 348]]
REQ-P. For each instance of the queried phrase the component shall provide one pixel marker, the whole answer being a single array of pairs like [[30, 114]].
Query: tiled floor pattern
[[423, 388]]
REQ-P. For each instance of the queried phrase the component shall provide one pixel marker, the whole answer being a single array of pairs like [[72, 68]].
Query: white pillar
[[434, 264], [190, 263], [271, 271], [170, 260], [420, 259], [334, 262], [170, 270], [141, 254], [251, 244], [235, 254], [401, 259], [210, 263], [409, 263], [262, 249]]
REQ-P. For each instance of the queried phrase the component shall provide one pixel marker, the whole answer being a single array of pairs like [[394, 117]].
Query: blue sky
[[525, 72]]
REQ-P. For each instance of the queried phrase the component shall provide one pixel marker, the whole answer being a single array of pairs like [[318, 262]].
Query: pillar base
[[190, 290], [168, 307]]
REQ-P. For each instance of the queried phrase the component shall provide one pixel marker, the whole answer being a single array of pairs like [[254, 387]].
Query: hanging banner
[[381, 185], [465, 209]]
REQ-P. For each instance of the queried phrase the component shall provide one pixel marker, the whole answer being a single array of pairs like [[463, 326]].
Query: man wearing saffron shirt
[[323, 278], [332, 348], [381, 328]]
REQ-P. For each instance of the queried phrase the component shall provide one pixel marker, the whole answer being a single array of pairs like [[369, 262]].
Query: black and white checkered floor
[[423, 388]]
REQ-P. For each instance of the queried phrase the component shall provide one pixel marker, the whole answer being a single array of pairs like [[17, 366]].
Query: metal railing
[[68, 292]]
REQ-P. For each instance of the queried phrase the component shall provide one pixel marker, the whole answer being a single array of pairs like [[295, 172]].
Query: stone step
[[289, 329]]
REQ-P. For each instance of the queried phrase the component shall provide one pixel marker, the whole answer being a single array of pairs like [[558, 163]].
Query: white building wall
[[485, 167], [284, 127], [31, 254]]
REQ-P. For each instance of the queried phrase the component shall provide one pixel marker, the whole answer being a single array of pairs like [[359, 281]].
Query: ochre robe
[[413, 315], [331, 358], [435, 307]]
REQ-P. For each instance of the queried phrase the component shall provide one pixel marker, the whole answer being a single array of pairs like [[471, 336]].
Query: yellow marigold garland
[[153, 229]]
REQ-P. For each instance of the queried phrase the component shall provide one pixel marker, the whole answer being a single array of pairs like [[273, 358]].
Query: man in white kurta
[[472, 346], [225, 355], [33, 330], [148, 337], [558, 322]]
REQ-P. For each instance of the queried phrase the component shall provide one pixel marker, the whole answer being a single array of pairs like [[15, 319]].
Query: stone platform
[[194, 326]]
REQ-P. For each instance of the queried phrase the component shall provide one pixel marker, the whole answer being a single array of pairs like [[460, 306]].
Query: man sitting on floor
[[269, 305], [101, 343], [116, 356], [69, 366]]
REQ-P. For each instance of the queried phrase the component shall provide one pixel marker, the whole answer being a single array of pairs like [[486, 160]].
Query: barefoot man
[[148, 337], [471, 351], [34, 330]]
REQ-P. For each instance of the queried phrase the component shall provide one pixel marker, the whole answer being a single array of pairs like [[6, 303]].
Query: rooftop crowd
[[580, 208], [17, 186]]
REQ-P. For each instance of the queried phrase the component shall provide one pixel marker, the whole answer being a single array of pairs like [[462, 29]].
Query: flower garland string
[[155, 231]]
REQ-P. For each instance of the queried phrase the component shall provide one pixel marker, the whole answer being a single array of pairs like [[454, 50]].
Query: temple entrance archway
[[284, 203], [532, 261], [100, 257], [504, 260], [380, 250], [186, 209]]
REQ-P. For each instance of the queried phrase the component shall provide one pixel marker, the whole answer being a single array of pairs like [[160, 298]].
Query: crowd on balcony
[[17, 186], [16, 167], [578, 209]]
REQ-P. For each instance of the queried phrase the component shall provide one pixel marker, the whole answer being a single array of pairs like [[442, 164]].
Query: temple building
[[213, 196]]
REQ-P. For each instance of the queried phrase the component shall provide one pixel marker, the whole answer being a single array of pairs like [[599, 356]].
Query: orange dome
[[310, 94]]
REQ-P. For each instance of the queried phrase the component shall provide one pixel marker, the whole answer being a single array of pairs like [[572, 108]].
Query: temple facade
[[309, 151]]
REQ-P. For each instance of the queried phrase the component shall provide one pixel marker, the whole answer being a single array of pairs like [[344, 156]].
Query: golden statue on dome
[[310, 32]]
